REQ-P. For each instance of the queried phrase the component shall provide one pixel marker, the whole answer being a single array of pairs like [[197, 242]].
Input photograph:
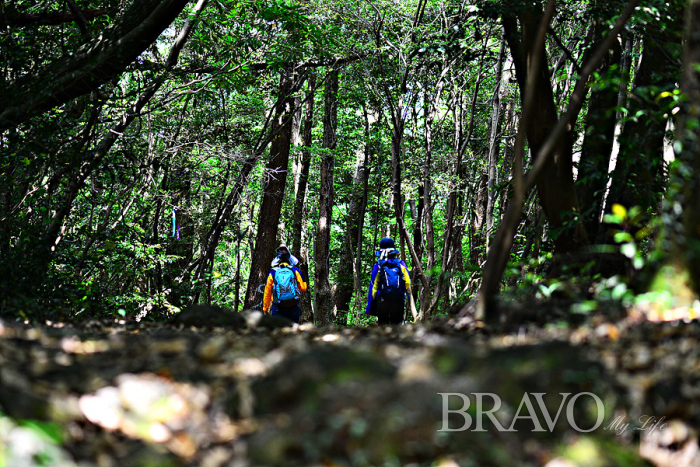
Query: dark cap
[[386, 243]]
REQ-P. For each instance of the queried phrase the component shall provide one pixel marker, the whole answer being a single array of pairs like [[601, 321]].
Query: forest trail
[[136, 394]]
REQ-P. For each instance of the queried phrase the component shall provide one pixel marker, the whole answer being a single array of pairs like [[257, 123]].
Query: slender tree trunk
[[429, 111], [273, 192], [300, 198], [301, 192], [396, 151], [690, 121], [455, 198], [157, 219], [479, 220], [355, 221], [494, 143], [323, 295], [363, 209], [237, 279], [480, 209], [625, 71], [418, 221]]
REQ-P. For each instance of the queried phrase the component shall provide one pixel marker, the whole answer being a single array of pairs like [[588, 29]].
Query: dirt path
[[121, 394]]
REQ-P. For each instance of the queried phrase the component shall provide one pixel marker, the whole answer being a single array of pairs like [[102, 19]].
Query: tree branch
[[95, 63], [564, 49]]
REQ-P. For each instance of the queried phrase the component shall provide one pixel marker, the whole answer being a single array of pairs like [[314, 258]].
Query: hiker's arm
[[372, 290], [300, 280], [411, 302], [267, 297]]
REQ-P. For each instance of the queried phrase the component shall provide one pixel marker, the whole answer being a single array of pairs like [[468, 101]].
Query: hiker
[[389, 285], [284, 286]]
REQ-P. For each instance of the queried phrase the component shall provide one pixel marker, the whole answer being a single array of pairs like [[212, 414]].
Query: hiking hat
[[282, 248], [386, 243], [387, 253]]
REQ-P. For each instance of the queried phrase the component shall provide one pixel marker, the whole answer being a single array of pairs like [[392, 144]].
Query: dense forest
[[155, 154], [537, 164]]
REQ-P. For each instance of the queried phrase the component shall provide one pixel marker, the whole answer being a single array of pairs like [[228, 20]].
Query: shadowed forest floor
[[256, 393]]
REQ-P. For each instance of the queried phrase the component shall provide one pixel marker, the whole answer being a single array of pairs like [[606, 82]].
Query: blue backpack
[[392, 285], [285, 291]]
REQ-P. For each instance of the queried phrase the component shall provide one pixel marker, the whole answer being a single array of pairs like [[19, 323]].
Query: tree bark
[[323, 296], [301, 192], [369, 144], [478, 242], [429, 112], [688, 125], [273, 192]]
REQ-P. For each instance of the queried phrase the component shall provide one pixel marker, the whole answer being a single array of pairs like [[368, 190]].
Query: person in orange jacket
[[283, 288]]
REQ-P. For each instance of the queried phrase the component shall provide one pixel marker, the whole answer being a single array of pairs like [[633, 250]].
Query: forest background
[[154, 154]]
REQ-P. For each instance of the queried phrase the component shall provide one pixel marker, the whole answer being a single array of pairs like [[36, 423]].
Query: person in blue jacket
[[383, 301]]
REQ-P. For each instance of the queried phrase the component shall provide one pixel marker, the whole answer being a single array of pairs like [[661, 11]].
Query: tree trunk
[[428, 204], [479, 220], [690, 121], [637, 178], [323, 296], [556, 184], [237, 278], [301, 193], [494, 143], [455, 198], [418, 221], [429, 111], [355, 221], [598, 141], [680, 239], [273, 192], [396, 150], [369, 143], [625, 71], [300, 197]]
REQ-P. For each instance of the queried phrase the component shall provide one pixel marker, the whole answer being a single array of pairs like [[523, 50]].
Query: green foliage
[[113, 254]]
